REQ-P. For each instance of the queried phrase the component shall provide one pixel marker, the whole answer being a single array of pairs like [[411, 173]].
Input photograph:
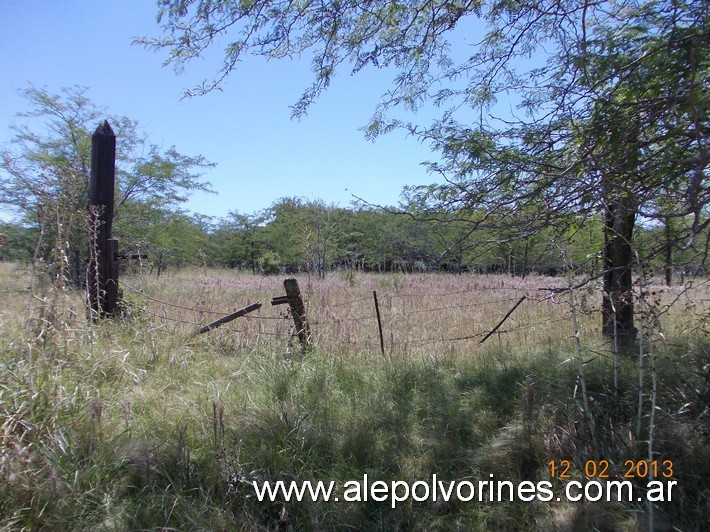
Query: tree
[[304, 234], [17, 243], [241, 239], [319, 233], [44, 173], [644, 136], [610, 97]]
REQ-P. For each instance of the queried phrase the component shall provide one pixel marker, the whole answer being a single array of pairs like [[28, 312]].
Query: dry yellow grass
[[436, 314], [442, 314], [97, 421]]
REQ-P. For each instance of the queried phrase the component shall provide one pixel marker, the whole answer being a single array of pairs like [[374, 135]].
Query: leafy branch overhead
[[567, 67], [607, 102]]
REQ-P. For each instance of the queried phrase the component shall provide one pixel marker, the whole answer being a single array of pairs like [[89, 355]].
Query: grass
[[138, 424]]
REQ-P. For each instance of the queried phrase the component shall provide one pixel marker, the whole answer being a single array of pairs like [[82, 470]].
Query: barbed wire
[[174, 305], [350, 302], [259, 333], [252, 317], [459, 307], [197, 309], [429, 341], [192, 279], [336, 320], [426, 341], [197, 324], [459, 292], [168, 318]]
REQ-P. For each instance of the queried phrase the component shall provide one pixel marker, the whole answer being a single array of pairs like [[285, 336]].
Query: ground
[[140, 423]]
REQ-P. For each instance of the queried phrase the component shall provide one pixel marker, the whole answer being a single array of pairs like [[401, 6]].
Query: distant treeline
[[297, 235]]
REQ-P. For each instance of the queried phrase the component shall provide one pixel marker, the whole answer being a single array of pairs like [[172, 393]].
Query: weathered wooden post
[[231, 317], [298, 310], [103, 278], [379, 322]]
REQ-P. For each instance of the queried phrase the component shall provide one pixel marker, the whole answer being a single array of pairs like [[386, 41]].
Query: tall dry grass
[[432, 314], [139, 423]]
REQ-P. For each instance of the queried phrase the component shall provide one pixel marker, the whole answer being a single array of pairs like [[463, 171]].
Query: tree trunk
[[621, 167], [160, 264], [511, 261], [618, 301], [669, 253], [526, 253]]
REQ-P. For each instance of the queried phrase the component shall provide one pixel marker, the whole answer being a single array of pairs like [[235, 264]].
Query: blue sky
[[261, 154]]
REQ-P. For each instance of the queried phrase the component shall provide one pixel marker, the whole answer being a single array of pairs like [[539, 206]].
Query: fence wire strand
[[340, 320]]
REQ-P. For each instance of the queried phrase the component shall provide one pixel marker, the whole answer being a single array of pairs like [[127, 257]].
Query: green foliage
[[17, 242], [610, 114], [298, 235], [269, 263], [44, 176], [167, 236]]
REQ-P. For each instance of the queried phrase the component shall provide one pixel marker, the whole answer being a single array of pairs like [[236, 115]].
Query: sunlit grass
[[139, 423]]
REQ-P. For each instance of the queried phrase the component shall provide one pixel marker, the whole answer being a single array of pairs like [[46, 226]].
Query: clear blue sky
[[261, 154]]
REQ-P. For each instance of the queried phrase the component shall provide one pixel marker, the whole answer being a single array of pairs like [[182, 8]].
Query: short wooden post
[[103, 285], [379, 322], [298, 311]]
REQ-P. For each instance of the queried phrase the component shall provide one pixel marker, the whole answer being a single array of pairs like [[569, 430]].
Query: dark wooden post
[[298, 311], [504, 318], [379, 322], [103, 283]]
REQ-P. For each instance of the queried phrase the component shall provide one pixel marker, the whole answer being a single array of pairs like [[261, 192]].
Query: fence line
[[195, 309], [458, 307], [467, 291], [168, 318], [339, 321], [350, 302], [197, 324], [174, 305]]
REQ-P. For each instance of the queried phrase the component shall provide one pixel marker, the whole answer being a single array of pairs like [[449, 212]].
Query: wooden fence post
[[504, 318], [233, 316], [298, 311], [103, 283], [379, 322]]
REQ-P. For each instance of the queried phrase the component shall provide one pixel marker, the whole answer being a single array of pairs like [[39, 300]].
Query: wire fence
[[419, 315], [410, 319]]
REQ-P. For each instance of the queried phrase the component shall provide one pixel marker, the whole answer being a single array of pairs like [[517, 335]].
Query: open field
[[438, 314], [141, 424]]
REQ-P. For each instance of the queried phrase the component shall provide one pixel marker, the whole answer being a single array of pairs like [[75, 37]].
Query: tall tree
[[242, 239], [611, 102], [44, 172]]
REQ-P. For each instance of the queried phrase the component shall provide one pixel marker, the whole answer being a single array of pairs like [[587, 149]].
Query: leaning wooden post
[[298, 311], [103, 283], [379, 322], [231, 317], [504, 318]]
